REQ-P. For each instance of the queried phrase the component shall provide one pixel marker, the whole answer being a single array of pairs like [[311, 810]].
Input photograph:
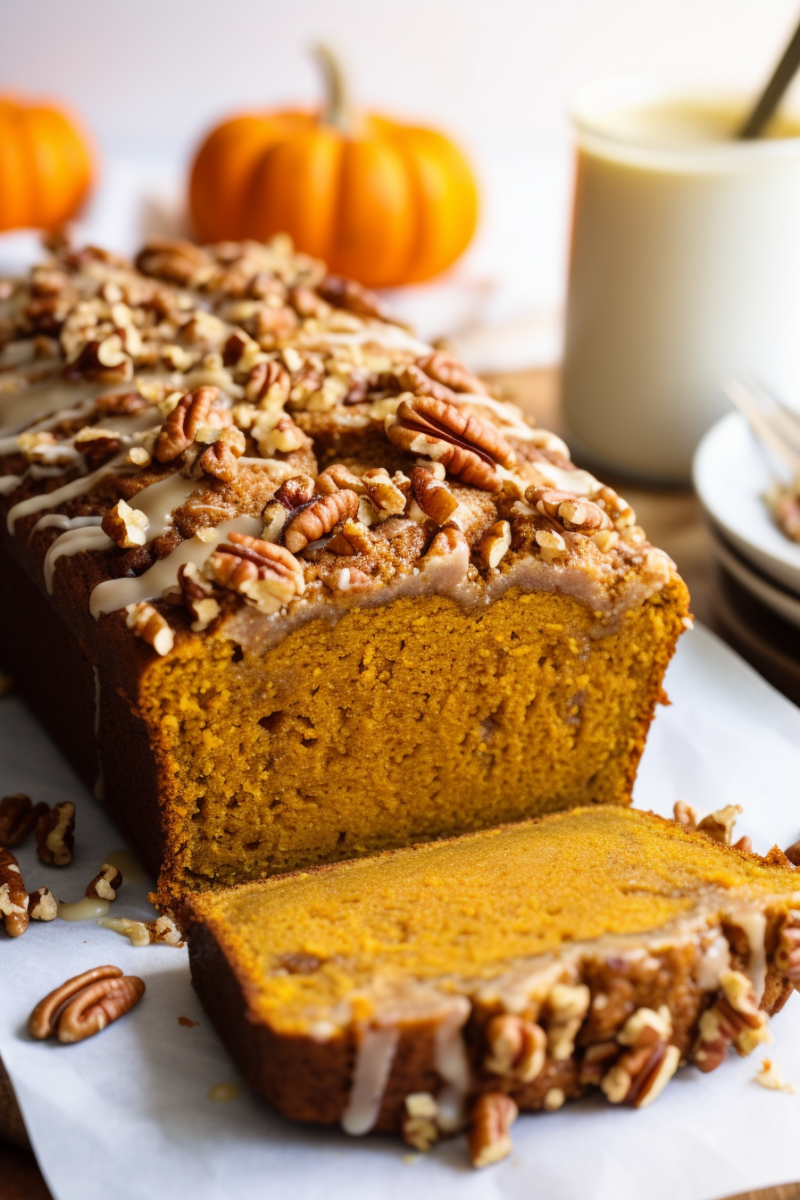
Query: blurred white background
[[149, 78]]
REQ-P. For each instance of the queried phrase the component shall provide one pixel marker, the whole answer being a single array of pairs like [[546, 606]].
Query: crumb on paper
[[770, 1077], [187, 1021], [410, 1159], [221, 1093]]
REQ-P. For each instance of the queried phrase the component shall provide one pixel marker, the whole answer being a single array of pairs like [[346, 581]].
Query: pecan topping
[[551, 544], [105, 884], [347, 294], [411, 378], [274, 323], [463, 445], [319, 518], [306, 303], [221, 459], [787, 954], [641, 1075], [489, 1139], [450, 372], [296, 492], [274, 515], [98, 1005], [148, 624], [433, 497], [719, 825], [13, 897], [125, 525], [268, 575], [383, 491], [570, 512], [281, 438], [42, 905], [517, 1048], [18, 815], [105, 360], [179, 430], [337, 477], [197, 598], [175, 260], [55, 835], [43, 1021], [495, 544]]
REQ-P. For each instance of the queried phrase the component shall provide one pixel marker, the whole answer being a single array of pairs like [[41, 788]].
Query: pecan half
[[570, 512], [55, 835], [221, 458], [43, 1021], [433, 497], [337, 477], [517, 1048], [268, 380], [175, 260], [105, 884], [267, 574], [448, 370], [180, 428], [18, 816], [489, 1139], [149, 625], [13, 897], [319, 518], [641, 1075], [465, 446], [98, 1005]]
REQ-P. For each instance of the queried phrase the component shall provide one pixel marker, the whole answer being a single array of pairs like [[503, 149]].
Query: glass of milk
[[684, 270]]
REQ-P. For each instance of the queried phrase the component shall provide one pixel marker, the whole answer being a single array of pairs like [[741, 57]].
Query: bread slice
[[516, 967]]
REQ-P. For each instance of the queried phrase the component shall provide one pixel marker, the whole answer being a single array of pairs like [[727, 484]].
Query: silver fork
[[773, 422]]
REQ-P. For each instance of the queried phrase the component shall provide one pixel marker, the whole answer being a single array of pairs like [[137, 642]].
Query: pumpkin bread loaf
[[510, 969], [289, 586]]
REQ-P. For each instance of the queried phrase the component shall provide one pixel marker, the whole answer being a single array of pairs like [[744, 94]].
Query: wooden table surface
[[673, 522]]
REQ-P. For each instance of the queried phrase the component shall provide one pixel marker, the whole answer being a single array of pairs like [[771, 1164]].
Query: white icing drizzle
[[376, 1050], [78, 487], [390, 337], [159, 501], [715, 959], [88, 536], [117, 593], [8, 483], [59, 521], [754, 925], [452, 1064]]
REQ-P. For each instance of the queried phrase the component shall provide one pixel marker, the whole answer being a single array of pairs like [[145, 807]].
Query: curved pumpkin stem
[[337, 111]]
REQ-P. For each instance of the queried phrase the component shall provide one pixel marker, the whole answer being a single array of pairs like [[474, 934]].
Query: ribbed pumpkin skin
[[45, 165], [395, 204]]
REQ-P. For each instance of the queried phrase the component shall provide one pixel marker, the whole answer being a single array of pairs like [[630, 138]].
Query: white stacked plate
[[732, 472]]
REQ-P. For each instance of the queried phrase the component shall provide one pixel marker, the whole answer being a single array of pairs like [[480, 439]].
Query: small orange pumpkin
[[381, 202], [45, 165]]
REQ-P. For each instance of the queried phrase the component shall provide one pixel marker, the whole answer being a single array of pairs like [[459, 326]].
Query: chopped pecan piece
[[551, 544], [465, 446], [96, 443], [567, 1007], [175, 260], [121, 404], [42, 905], [274, 515], [13, 897], [572, 513], [517, 1048], [105, 884], [283, 437], [384, 491], [319, 518], [18, 816], [719, 825], [734, 1018], [306, 303], [337, 477], [55, 835], [104, 360], [149, 625], [197, 597], [296, 492], [495, 544], [787, 954], [433, 497], [221, 458], [420, 1121], [143, 933], [684, 814], [352, 538], [447, 370], [489, 1138], [125, 525]]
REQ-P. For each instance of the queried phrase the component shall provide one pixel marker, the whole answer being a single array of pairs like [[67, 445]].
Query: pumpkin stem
[[337, 110]]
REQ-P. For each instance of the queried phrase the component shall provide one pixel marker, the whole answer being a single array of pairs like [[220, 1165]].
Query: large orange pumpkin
[[382, 202], [45, 165]]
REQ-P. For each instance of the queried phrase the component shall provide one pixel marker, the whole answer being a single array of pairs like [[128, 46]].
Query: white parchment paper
[[127, 1114]]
